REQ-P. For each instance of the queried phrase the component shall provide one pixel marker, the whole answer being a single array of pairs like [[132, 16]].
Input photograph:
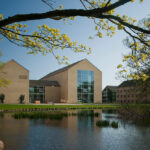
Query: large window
[[37, 93], [85, 89]]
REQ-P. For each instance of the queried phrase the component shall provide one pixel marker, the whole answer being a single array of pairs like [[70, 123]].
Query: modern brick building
[[131, 92], [109, 94], [78, 82]]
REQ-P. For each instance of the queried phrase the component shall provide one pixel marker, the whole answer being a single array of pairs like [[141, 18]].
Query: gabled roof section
[[61, 70], [93, 65], [128, 83], [112, 88], [12, 60]]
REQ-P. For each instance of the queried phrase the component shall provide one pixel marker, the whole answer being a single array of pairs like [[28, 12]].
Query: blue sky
[[107, 52]]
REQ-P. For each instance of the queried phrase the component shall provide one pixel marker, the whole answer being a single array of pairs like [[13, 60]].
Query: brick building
[[78, 82]]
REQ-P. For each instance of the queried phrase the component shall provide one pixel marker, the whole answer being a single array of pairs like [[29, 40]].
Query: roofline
[[17, 63], [93, 65], [119, 86], [62, 68], [110, 86], [67, 68], [43, 83]]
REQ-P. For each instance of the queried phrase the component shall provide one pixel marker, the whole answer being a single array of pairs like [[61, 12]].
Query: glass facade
[[37, 93], [85, 83]]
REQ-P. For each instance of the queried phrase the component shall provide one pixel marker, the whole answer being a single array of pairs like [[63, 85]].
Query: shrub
[[21, 98], [2, 97], [103, 123], [114, 124]]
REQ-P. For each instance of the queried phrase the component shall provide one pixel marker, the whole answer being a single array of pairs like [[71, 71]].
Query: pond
[[74, 132]]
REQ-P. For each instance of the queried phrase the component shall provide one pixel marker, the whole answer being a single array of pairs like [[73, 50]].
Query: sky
[[106, 53]]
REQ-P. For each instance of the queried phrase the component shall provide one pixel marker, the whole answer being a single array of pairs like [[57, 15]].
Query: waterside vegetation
[[135, 114], [57, 115]]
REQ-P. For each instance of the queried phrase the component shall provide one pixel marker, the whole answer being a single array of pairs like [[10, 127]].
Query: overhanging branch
[[61, 13]]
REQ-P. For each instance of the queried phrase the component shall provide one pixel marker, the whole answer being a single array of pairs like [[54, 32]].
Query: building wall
[[72, 81], [127, 94], [19, 85], [52, 94], [62, 78], [68, 82], [130, 95]]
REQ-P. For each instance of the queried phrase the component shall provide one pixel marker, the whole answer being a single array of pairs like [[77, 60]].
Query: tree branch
[[125, 23], [61, 13]]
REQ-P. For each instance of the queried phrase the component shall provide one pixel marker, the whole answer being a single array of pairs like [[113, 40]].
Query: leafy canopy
[[136, 64], [48, 39]]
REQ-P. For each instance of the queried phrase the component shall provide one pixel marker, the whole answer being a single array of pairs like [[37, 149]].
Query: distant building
[[130, 92], [19, 78], [109, 94], [78, 82]]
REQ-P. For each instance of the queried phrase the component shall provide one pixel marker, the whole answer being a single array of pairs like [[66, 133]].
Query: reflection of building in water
[[85, 121], [67, 122], [13, 132], [77, 122]]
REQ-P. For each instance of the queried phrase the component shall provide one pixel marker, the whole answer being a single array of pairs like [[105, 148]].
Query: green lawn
[[30, 106], [83, 106]]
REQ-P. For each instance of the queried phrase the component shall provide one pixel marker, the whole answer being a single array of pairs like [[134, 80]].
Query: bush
[[2, 97], [103, 123], [21, 98], [114, 124]]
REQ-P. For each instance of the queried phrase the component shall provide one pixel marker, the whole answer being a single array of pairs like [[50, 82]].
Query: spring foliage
[[3, 81], [136, 64], [47, 39]]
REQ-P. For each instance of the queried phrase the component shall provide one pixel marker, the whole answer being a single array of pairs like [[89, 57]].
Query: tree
[[3, 81], [21, 99], [47, 39], [137, 63], [2, 97]]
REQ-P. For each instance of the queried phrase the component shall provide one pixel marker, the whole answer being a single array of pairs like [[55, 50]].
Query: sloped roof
[[43, 83], [61, 70], [128, 83], [112, 88], [12, 60]]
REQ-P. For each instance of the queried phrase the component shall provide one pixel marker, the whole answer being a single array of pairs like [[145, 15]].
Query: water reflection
[[13, 132], [77, 122], [72, 133]]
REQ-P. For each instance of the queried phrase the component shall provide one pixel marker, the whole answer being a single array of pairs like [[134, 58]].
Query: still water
[[73, 133]]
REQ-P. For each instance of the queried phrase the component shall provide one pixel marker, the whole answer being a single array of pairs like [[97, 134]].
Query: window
[[37, 93], [23, 77], [85, 89]]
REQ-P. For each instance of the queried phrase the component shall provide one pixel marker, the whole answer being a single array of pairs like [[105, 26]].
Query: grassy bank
[[32, 107], [8, 107]]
